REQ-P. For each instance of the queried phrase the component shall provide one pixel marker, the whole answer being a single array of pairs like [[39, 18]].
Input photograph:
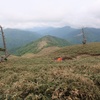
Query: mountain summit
[[44, 42]]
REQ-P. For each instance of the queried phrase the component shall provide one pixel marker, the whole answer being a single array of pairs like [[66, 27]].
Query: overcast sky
[[57, 13]]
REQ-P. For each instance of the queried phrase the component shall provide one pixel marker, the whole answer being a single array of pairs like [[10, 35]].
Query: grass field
[[43, 78]]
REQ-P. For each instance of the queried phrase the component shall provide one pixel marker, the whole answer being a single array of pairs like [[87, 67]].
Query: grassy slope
[[47, 41], [45, 79], [75, 50], [16, 38]]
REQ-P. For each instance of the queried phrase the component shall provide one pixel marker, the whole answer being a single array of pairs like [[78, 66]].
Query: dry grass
[[42, 78], [42, 44], [43, 52]]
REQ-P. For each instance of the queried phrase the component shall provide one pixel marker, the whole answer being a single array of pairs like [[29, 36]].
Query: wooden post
[[4, 43], [84, 38]]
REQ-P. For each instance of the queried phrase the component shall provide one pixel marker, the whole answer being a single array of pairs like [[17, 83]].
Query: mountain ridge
[[16, 38], [44, 42], [72, 34]]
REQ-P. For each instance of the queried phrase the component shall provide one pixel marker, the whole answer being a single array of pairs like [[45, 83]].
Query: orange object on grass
[[59, 59]]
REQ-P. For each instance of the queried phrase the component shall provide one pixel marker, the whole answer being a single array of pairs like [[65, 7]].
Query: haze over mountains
[[72, 34], [16, 38]]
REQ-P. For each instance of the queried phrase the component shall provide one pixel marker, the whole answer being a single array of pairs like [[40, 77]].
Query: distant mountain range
[[16, 38], [60, 32], [40, 44], [72, 34], [91, 34]]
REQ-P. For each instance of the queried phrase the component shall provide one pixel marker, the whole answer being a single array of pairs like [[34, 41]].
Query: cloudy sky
[[57, 13]]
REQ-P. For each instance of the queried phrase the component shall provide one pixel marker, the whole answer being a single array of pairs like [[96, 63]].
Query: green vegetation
[[1, 49], [43, 78], [44, 42], [16, 38], [73, 35], [91, 34], [92, 49]]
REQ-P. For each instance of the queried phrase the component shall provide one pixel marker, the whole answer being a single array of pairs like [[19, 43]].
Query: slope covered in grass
[[92, 49], [43, 78], [16, 38], [44, 42]]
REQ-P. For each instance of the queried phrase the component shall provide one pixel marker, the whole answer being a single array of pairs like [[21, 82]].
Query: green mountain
[[16, 38], [60, 32], [91, 34], [72, 34], [44, 42]]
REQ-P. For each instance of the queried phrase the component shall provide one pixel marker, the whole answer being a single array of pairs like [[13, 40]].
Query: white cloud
[[30, 13]]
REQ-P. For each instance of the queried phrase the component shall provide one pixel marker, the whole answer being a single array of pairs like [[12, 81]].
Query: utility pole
[[4, 43], [84, 38]]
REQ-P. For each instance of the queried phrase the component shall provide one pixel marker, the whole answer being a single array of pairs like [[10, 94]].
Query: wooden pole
[[4, 43], [84, 38]]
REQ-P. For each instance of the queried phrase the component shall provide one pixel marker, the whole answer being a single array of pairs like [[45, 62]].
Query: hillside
[[44, 78], [44, 42], [72, 52], [72, 34], [60, 32], [91, 34], [16, 38]]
